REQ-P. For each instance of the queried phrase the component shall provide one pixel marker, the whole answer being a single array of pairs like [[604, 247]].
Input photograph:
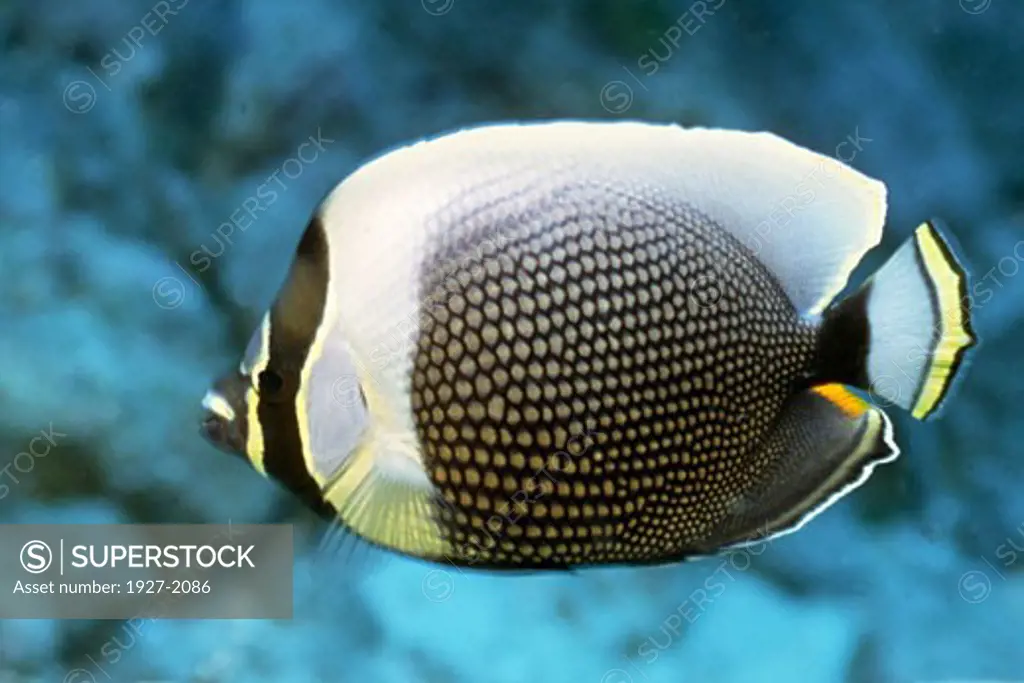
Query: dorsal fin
[[808, 217]]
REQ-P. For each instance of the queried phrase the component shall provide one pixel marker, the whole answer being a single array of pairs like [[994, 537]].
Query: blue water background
[[129, 133]]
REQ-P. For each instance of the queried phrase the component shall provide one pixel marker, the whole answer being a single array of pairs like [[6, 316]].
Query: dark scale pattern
[[591, 386]]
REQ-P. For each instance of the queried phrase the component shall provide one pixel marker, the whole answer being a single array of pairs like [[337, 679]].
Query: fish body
[[563, 344]]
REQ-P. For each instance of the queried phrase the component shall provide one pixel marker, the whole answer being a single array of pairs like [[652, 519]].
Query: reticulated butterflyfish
[[565, 344]]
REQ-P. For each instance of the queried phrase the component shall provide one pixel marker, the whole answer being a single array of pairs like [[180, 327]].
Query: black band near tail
[[844, 342]]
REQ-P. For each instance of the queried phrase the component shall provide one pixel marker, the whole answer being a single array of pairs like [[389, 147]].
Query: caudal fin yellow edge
[[954, 334]]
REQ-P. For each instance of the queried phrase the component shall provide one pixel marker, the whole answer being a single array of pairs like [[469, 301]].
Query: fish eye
[[270, 383]]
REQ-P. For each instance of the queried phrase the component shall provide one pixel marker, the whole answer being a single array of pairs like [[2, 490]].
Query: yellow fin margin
[[954, 336]]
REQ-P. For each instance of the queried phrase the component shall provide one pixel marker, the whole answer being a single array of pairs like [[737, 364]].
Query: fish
[[567, 344]]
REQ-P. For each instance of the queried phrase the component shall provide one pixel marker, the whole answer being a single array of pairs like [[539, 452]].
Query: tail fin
[[905, 334]]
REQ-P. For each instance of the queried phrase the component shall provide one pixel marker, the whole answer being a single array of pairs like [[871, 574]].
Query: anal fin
[[826, 443]]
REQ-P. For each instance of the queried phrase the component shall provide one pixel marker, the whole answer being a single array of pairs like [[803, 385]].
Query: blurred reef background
[[131, 130]]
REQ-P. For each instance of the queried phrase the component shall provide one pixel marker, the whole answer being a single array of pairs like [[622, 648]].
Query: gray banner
[[129, 571]]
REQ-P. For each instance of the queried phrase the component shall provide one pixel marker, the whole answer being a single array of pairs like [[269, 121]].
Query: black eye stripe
[[294, 320], [270, 383]]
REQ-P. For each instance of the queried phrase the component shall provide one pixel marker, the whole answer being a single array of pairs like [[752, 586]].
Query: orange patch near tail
[[853, 406]]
